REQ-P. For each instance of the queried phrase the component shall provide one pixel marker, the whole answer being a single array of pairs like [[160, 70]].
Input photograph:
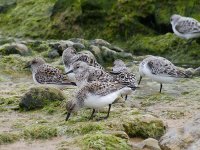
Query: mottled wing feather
[[164, 68], [104, 88], [188, 26], [85, 58], [48, 74]]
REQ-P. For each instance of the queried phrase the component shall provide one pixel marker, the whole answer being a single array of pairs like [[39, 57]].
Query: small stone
[[150, 143], [99, 42], [78, 46], [189, 71], [53, 54], [197, 71], [95, 49]]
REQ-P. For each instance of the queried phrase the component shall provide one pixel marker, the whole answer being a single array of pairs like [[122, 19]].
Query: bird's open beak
[[71, 71], [68, 115]]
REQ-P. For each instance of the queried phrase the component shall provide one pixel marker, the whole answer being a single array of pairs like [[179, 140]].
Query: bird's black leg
[[140, 80], [92, 115], [160, 87], [126, 97], [101, 118]]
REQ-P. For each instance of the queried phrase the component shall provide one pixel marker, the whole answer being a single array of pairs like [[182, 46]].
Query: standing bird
[[96, 95], [122, 74], [70, 56], [185, 27], [85, 73], [160, 69], [46, 74]]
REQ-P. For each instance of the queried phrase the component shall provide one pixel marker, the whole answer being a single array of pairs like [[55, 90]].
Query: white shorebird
[[161, 70], [123, 74], [96, 95], [46, 74], [85, 73], [70, 56], [185, 27]]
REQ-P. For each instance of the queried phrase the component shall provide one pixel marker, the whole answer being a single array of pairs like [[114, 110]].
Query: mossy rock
[[100, 141], [40, 132], [14, 48], [143, 126], [38, 97]]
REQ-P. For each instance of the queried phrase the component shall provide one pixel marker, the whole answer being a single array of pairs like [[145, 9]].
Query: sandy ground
[[180, 103]]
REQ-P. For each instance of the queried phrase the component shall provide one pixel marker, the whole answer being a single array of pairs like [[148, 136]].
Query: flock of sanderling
[[99, 88]]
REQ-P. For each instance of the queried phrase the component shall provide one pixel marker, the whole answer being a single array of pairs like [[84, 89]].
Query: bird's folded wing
[[162, 68], [48, 74], [103, 88], [188, 26]]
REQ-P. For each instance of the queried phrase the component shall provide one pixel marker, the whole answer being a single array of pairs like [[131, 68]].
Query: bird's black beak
[[68, 115], [71, 71]]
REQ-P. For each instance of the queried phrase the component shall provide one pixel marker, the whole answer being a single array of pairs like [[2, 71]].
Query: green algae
[[40, 132], [7, 137], [100, 141]]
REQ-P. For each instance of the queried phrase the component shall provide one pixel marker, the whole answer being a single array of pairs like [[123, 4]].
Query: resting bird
[[185, 27], [161, 70], [46, 74], [70, 56]]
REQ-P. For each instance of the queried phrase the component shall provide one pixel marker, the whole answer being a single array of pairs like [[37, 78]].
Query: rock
[[38, 97], [190, 71], [88, 53], [184, 138], [115, 48], [95, 49], [99, 42], [143, 126], [197, 71], [108, 52], [14, 48], [78, 46], [53, 54], [148, 144], [7, 6], [120, 134]]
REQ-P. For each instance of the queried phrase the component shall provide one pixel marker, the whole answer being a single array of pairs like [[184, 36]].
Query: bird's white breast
[[97, 101], [157, 77]]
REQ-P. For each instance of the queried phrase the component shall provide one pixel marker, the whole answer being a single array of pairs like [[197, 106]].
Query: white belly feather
[[97, 101]]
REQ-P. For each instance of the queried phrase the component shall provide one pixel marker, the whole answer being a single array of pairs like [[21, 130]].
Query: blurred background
[[139, 27]]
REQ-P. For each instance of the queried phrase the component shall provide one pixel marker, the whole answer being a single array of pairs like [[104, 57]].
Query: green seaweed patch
[[84, 128], [7, 137], [153, 99], [40, 132], [100, 141], [144, 126]]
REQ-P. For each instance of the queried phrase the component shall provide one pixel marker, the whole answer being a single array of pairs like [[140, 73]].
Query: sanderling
[[85, 73], [122, 74], [46, 74], [96, 95], [70, 56], [160, 69], [185, 27]]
